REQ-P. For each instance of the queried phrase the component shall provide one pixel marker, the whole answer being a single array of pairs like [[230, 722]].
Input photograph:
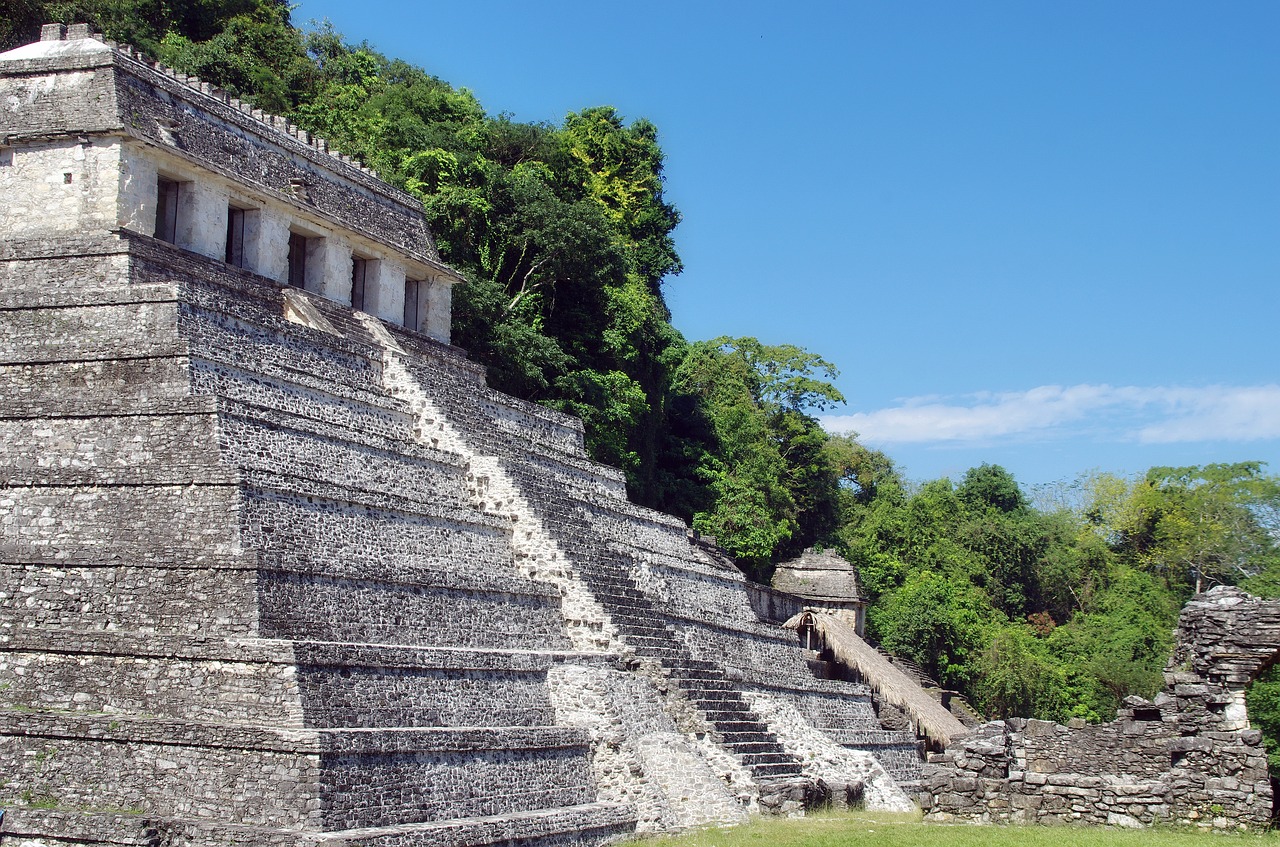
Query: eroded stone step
[[726, 698], [666, 655], [705, 685], [767, 747], [718, 716], [100, 387], [757, 736], [587, 825], [262, 383], [665, 640]]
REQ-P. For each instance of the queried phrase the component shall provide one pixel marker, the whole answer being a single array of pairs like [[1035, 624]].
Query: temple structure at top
[[98, 138]]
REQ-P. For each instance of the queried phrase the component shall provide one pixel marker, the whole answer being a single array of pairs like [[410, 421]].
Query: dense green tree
[[622, 171], [1016, 677], [991, 487], [936, 621], [1192, 526], [565, 235], [775, 486], [1043, 613], [20, 21]]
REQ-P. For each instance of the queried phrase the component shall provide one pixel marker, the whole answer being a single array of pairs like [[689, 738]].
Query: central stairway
[[653, 584]]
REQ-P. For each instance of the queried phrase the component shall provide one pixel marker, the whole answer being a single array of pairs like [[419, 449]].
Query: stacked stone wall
[[97, 764], [1189, 756]]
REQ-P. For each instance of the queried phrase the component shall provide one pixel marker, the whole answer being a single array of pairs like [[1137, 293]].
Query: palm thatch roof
[[894, 687]]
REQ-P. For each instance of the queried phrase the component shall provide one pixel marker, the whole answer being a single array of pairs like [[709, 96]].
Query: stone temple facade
[[278, 568]]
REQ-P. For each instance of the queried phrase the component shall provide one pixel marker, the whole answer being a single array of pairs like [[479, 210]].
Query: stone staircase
[[562, 487], [703, 683], [607, 541]]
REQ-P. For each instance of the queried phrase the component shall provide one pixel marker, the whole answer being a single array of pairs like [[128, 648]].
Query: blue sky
[[1041, 235]]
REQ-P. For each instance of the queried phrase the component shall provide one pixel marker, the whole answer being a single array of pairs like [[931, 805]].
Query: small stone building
[[823, 580], [94, 138]]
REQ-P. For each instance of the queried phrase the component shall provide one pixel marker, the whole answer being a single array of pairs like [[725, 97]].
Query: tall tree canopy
[[773, 483]]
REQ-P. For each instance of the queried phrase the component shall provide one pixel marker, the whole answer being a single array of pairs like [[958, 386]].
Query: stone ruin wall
[[277, 571], [1189, 756]]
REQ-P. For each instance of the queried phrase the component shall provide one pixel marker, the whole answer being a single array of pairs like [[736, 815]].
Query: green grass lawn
[[889, 830]]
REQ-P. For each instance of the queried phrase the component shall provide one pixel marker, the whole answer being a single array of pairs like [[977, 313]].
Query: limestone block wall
[[66, 181], [126, 675], [95, 764], [1188, 757]]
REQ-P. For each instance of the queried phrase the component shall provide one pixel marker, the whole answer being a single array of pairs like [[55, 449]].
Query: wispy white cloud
[[1051, 412], [1219, 413]]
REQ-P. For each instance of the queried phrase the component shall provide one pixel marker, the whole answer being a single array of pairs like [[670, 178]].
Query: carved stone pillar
[[202, 219], [329, 268], [266, 244]]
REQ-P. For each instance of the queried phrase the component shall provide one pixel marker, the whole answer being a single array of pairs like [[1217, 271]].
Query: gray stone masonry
[[1187, 757], [279, 571]]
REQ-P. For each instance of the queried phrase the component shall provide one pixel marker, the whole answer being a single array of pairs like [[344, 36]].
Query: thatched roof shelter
[[893, 686]]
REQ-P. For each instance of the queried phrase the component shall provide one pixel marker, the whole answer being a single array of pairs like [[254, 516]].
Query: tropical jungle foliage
[[1056, 606]]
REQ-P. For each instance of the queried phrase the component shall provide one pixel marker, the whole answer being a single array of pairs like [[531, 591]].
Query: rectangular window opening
[[359, 267], [235, 236], [297, 260], [6, 156], [167, 210]]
